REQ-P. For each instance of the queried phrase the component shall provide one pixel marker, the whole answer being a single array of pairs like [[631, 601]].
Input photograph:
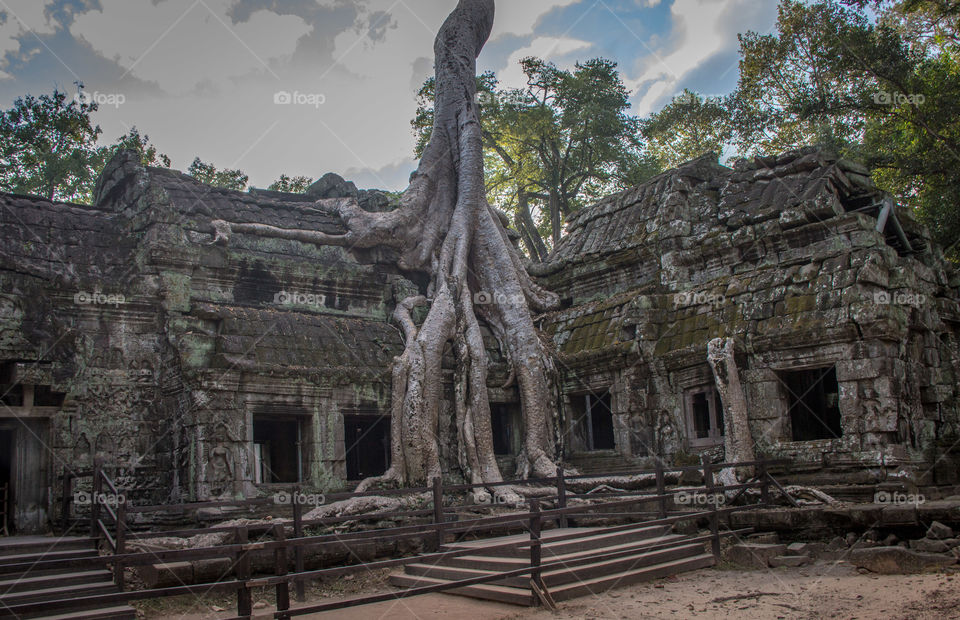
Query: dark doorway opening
[[6, 479], [505, 421], [277, 454], [594, 421], [366, 445], [814, 399]]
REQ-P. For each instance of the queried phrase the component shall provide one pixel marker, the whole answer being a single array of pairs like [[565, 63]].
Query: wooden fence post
[[536, 576], [298, 550], [764, 484], [661, 490], [714, 515], [242, 572], [118, 576], [438, 510], [561, 496], [282, 567], [95, 502]]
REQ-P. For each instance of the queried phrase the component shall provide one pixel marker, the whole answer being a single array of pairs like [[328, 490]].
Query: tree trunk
[[445, 228], [532, 238], [737, 441]]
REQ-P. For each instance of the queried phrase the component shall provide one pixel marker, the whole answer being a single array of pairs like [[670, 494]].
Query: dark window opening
[[593, 421], [505, 421], [814, 403], [12, 395], [366, 445], [43, 396], [704, 417], [6, 479], [277, 452]]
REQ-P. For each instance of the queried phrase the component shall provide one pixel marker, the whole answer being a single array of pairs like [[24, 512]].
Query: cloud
[[548, 48], [179, 45], [520, 17], [21, 19], [701, 30]]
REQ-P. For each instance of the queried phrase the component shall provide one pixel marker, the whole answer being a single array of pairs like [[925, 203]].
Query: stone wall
[[784, 256]]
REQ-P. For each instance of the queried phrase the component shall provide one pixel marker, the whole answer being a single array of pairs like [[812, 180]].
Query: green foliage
[[48, 147], [884, 90], [134, 141], [209, 175], [293, 185], [686, 128], [561, 142]]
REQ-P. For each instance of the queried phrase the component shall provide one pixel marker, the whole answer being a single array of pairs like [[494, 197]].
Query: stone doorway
[[367, 445]]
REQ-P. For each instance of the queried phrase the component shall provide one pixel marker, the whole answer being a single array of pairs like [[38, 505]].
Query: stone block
[[166, 574], [755, 555], [939, 531], [898, 561], [789, 561]]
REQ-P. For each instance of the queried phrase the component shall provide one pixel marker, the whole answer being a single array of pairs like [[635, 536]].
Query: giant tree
[[445, 229]]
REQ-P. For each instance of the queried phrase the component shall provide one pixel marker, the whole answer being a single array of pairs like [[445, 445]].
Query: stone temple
[[197, 370]]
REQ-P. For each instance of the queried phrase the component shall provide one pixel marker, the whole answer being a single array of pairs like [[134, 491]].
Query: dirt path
[[824, 590]]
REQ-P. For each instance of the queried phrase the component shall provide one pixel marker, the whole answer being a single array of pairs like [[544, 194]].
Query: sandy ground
[[824, 590]]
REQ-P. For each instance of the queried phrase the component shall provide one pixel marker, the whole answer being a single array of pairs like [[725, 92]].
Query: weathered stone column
[[737, 441]]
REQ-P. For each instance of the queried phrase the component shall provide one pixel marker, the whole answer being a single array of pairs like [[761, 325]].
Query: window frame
[[716, 431]]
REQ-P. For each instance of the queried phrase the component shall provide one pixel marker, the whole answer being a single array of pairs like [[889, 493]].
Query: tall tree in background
[[48, 147], [885, 91], [686, 128], [208, 173], [562, 141], [135, 141], [294, 185]]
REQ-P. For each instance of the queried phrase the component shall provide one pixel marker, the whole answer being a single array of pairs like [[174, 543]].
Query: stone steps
[[25, 591], [643, 553]]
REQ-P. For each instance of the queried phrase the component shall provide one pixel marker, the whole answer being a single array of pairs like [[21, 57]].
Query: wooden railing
[[108, 508], [633, 506]]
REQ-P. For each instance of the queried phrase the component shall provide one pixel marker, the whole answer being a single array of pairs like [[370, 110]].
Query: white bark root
[[737, 440]]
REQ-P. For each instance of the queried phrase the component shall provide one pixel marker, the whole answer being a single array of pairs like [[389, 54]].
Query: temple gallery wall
[[200, 370]]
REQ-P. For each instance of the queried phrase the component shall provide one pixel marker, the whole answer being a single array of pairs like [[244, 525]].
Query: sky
[[305, 87]]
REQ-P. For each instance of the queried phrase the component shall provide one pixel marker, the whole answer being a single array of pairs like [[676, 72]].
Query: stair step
[[647, 573], [563, 575], [489, 592], [120, 612], [39, 545], [33, 582], [58, 593], [589, 541], [501, 564], [8, 562]]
